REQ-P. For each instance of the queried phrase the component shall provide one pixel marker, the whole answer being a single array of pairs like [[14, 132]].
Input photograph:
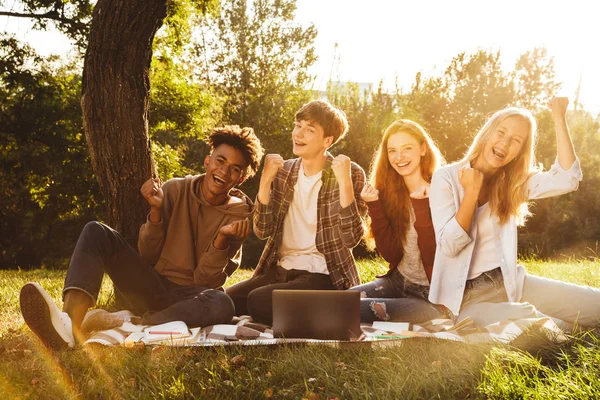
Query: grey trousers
[[485, 301]]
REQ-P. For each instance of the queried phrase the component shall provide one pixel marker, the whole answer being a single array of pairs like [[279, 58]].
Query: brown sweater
[[181, 246], [423, 225]]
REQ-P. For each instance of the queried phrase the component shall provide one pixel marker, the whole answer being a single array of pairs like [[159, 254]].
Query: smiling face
[[404, 153], [225, 168], [504, 144], [308, 139]]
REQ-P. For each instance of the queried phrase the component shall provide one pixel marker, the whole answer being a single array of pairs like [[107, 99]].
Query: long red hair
[[391, 186]]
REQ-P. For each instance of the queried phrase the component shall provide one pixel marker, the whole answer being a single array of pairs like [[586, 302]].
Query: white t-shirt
[[298, 248], [484, 256]]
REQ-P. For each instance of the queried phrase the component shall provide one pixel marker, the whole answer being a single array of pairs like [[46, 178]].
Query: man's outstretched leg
[[99, 249]]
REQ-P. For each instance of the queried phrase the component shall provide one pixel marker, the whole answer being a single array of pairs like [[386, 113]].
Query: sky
[[382, 39], [385, 39]]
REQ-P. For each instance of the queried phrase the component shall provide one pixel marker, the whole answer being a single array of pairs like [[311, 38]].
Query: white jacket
[[455, 246]]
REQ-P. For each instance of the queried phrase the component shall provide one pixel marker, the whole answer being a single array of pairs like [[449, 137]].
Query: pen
[[391, 337], [164, 333]]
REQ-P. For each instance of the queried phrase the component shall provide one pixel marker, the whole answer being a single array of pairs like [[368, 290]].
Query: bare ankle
[[76, 304]]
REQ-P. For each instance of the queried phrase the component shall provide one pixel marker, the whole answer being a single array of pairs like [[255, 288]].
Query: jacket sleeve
[[351, 228], [263, 219], [216, 265], [555, 181], [451, 238], [151, 238], [382, 232]]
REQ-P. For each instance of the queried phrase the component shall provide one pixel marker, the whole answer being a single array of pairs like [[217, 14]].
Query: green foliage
[[569, 224], [41, 146], [182, 113], [257, 56], [168, 161], [71, 17], [454, 105], [246, 62], [175, 35]]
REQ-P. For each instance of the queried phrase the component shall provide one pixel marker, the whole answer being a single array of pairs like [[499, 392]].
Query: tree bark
[[115, 99]]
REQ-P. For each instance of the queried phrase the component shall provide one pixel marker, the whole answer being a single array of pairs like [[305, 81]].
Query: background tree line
[[246, 62]]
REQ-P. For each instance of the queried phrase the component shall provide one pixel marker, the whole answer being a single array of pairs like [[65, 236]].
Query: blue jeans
[[393, 298], [101, 249]]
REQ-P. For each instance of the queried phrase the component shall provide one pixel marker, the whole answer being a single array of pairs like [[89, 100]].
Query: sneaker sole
[[37, 316]]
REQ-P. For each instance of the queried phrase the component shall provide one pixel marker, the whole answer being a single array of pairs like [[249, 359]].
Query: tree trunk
[[115, 98]]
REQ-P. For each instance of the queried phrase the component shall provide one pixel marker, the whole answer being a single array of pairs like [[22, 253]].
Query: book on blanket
[[394, 327], [169, 331]]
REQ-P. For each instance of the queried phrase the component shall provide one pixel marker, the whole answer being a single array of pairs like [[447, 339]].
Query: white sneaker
[[44, 318], [100, 320]]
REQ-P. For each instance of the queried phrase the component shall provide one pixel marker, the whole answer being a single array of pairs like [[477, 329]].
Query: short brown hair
[[242, 139], [331, 119]]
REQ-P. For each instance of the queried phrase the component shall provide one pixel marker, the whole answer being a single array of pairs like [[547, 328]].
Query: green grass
[[416, 368]]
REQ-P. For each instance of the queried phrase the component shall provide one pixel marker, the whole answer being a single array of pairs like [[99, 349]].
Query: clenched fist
[[558, 105], [369, 193], [153, 193], [471, 180], [273, 163], [341, 168]]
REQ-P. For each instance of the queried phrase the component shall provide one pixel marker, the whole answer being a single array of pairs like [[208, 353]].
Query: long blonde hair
[[508, 186], [391, 186]]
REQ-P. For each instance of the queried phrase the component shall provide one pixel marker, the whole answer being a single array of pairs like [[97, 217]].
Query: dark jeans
[[254, 296], [393, 298], [101, 249]]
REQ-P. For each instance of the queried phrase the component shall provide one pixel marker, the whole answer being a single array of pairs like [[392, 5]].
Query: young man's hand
[[341, 168], [237, 230], [369, 193], [273, 163], [154, 195]]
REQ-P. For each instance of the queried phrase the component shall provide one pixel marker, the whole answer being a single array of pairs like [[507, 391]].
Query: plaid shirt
[[339, 229]]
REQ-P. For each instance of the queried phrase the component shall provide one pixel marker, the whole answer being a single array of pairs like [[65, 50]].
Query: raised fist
[[273, 163], [559, 105], [153, 193], [341, 168], [471, 180], [369, 193]]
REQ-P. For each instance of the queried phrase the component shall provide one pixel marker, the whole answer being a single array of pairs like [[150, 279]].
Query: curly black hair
[[242, 139]]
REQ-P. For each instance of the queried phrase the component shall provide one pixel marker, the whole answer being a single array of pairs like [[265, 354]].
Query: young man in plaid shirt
[[310, 210]]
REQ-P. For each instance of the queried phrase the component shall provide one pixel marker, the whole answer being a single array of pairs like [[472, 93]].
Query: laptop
[[316, 314]]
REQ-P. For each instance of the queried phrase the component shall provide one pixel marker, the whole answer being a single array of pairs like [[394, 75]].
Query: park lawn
[[417, 368]]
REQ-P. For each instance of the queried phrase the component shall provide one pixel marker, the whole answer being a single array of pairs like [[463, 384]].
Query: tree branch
[[49, 15]]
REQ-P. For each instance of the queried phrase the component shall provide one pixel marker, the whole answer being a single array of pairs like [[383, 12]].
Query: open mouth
[[219, 181], [498, 153], [299, 144], [402, 165]]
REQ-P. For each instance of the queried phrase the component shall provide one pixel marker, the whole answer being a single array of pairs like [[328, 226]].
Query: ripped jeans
[[393, 298]]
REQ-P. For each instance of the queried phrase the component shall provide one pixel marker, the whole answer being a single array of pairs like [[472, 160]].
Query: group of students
[[449, 233]]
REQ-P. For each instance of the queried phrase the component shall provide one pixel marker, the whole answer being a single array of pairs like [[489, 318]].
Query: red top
[[382, 233]]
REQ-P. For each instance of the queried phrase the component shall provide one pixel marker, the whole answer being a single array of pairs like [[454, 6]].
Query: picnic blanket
[[244, 331]]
